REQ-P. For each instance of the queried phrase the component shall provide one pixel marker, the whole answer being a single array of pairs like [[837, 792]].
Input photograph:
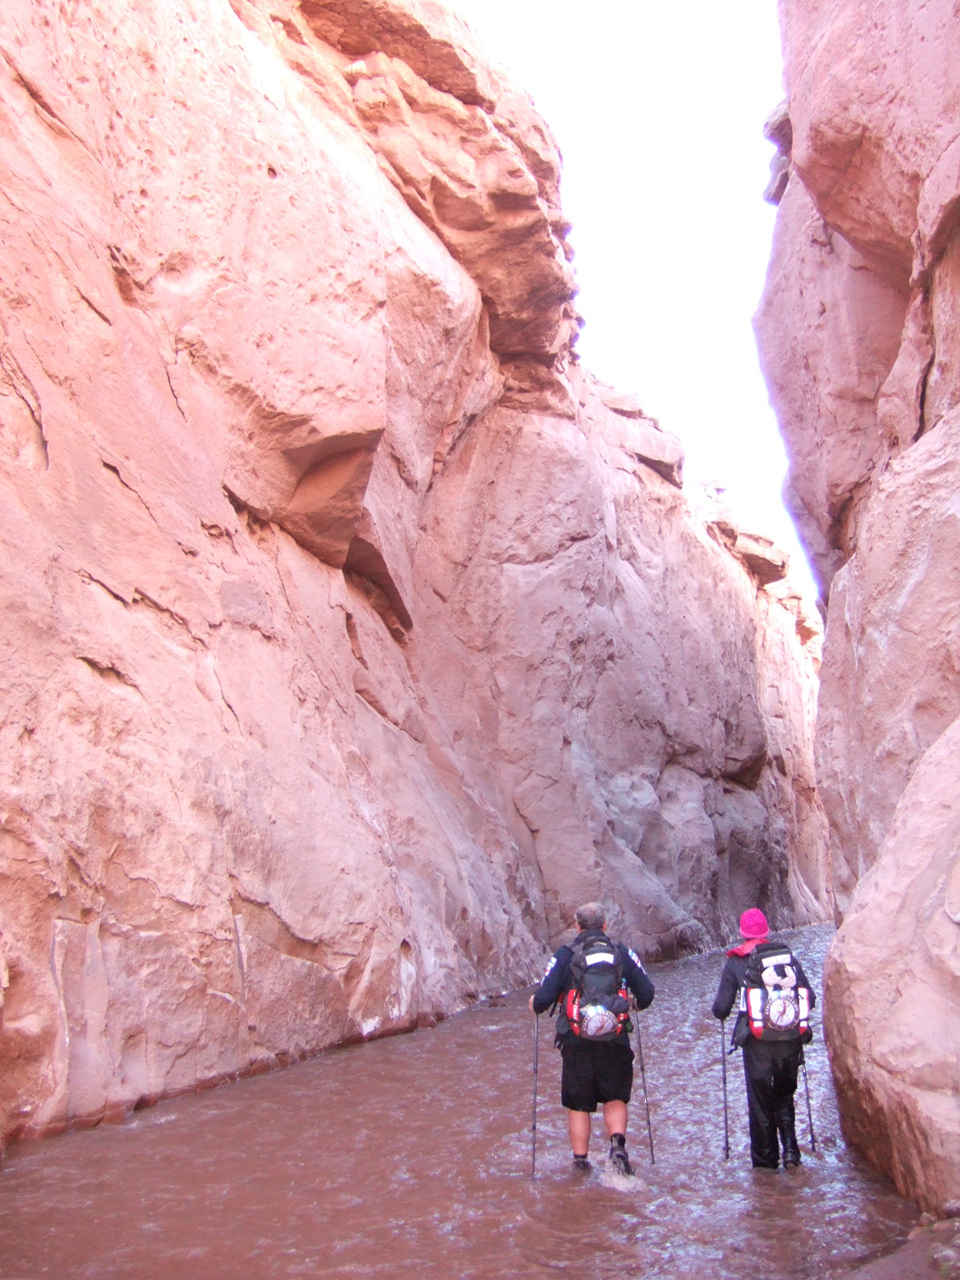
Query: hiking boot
[[788, 1136], [619, 1160], [581, 1164], [791, 1151]]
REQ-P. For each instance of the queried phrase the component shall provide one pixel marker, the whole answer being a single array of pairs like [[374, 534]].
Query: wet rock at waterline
[[351, 633], [859, 331]]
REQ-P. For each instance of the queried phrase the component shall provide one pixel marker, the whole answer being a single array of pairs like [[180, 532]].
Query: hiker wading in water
[[771, 1029], [589, 982]]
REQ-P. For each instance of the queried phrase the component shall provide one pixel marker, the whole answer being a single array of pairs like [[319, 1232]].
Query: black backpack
[[777, 1007], [596, 1003]]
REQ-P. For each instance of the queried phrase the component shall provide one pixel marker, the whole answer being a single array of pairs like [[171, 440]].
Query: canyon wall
[[859, 330], [352, 634]]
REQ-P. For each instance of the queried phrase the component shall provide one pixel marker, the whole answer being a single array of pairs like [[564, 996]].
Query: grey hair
[[592, 915]]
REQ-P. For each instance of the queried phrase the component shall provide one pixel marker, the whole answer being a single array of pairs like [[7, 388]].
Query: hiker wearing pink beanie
[[767, 976], [753, 925]]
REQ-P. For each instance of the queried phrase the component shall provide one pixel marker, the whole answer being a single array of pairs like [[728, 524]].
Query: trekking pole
[[533, 1131], [723, 1072], [806, 1087], [646, 1100]]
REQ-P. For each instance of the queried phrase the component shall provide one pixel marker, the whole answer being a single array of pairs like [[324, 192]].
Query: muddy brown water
[[411, 1157]]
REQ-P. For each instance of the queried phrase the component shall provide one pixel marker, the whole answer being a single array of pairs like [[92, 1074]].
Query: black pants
[[771, 1074]]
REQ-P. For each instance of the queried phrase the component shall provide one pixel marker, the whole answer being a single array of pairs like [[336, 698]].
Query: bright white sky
[[658, 108]]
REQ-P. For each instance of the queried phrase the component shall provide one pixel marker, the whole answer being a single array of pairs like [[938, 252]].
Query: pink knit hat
[[753, 924]]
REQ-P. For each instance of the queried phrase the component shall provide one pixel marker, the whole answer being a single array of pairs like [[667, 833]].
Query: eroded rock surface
[[859, 332], [891, 991], [351, 633]]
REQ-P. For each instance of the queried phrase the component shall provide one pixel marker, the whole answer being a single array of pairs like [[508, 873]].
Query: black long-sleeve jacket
[[556, 980]]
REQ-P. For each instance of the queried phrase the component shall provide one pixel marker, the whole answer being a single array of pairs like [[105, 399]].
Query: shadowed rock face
[[859, 333], [351, 633]]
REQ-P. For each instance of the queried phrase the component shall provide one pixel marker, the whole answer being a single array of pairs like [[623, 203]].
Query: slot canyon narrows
[[354, 634]]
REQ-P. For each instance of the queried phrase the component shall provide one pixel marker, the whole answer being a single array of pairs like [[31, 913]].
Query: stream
[[411, 1156]]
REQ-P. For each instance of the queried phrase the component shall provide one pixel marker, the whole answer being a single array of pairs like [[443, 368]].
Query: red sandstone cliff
[[351, 633], [859, 331]]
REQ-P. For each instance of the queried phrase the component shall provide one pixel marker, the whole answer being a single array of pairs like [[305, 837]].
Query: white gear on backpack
[[596, 1021], [775, 1005]]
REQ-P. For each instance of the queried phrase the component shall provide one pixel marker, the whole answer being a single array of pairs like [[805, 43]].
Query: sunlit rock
[[891, 990], [829, 328], [352, 634], [859, 330]]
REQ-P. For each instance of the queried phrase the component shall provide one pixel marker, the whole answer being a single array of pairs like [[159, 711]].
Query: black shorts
[[595, 1072]]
